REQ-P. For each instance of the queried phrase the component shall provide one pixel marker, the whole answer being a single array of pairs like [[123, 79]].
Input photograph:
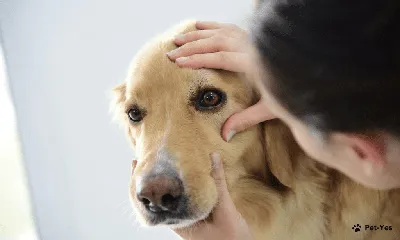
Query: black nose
[[160, 193]]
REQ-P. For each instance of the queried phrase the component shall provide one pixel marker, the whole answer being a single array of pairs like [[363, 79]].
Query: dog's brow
[[201, 77], [204, 74]]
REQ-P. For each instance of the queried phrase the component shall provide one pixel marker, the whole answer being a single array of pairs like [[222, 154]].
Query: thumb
[[240, 121], [225, 207]]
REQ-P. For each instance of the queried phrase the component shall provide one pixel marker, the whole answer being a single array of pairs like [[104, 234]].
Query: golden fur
[[282, 193]]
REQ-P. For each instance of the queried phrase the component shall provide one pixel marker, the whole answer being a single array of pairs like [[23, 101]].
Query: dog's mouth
[[175, 222], [179, 218]]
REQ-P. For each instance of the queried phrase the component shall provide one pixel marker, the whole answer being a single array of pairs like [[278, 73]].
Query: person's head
[[331, 71]]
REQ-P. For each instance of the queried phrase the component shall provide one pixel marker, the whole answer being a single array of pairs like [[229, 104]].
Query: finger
[[193, 36], [203, 25], [249, 117], [228, 29], [207, 45], [230, 61], [134, 163], [187, 233], [225, 209]]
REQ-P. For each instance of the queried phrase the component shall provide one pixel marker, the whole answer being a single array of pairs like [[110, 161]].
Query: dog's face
[[173, 117]]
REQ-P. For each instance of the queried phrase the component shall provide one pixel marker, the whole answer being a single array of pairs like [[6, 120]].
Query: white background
[[62, 58]]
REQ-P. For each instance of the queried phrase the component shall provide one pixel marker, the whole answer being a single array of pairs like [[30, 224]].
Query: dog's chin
[[174, 222], [188, 222]]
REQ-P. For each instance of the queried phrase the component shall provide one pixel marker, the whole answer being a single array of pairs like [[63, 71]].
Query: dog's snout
[[161, 193]]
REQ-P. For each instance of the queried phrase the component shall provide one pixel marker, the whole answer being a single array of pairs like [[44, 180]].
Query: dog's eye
[[135, 114], [209, 99]]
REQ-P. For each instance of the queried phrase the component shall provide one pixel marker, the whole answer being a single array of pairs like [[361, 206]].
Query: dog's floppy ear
[[119, 92], [119, 98], [281, 149], [117, 106]]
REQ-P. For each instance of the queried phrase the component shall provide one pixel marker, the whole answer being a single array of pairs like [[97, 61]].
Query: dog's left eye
[[135, 114], [209, 99]]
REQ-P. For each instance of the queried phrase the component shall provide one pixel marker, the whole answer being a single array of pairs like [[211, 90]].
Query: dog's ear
[[117, 102], [119, 92], [117, 107], [281, 149], [118, 98]]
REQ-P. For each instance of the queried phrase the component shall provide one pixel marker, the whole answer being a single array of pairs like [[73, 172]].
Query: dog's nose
[[160, 193]]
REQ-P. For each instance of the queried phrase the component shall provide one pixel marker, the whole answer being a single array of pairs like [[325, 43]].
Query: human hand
[[227, 223], [213, 45], [251, 116], [221, 46]]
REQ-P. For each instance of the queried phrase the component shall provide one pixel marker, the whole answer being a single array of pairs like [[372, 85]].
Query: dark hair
[[335, 63]]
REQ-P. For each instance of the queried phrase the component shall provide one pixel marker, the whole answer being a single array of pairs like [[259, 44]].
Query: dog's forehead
[[156, 70], [156, 77], [153, 75]]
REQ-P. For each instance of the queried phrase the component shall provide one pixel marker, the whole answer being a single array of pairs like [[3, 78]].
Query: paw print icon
[[356, 228]]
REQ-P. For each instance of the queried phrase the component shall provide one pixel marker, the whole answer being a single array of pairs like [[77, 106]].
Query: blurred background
[[64, 166]]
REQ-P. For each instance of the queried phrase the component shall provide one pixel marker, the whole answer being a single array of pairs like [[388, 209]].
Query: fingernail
[[181, 59], [170, 53], [215, 157], [180, 37], [231, 133]]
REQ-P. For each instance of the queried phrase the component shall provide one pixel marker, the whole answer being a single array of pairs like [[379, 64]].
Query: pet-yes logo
[[357, 228]]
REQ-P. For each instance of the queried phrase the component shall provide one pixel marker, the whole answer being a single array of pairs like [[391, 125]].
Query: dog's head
[[173, 117]]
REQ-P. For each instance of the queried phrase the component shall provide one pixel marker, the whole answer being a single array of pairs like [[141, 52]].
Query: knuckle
[[190, 58], [233, 26], [220, 42], [223, 58], [190, 48], [193, 35], [199, 46], [223, 31], [245, 123], [217, 38]]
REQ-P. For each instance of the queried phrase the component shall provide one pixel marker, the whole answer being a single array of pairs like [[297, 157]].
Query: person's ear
[[370, 148]]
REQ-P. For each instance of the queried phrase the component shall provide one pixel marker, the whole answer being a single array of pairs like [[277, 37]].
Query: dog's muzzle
[[161, 193]]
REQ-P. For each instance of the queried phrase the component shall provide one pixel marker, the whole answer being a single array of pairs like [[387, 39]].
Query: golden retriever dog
[[173, 118]]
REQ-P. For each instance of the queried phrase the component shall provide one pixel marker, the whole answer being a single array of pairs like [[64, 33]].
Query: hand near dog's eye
[[221, 46], [242, 120], [227, 222]]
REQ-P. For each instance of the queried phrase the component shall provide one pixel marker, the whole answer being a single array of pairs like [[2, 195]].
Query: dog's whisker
[[134, 221], [127, 210], [131, 215], [121, 203]]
